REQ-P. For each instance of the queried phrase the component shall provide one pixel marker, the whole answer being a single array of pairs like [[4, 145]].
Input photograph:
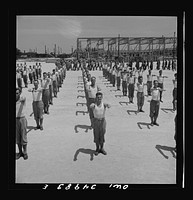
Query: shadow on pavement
[[166, 148], [81, 111], [124, 102], [80, 90], [130, 111], [86, 127], [85, 151], [119, 95], [80, 96], [30, 128], [82, 104], [143, 124], [167, 109]]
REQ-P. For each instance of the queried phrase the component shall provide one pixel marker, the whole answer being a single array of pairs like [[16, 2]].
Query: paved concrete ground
[[63, 151]]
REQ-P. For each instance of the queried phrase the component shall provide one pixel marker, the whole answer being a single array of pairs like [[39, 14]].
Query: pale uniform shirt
[[140, 87], [37, 94], [131, 80], [155, 94], [45, 83], [118, 73], [54, 77], [160, 79], [99, 111], [149, 77], [25, 72], [92, 91], [124, 77], [88, 83], [175, 83], [21, 107]]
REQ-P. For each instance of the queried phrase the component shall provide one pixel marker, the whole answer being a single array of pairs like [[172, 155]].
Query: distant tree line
[[20, 54]]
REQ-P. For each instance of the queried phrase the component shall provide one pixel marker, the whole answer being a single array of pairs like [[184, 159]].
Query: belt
[[20, 117], [100, 119]]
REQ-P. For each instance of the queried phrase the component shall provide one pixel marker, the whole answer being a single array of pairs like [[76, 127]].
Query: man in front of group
[[21, 125]]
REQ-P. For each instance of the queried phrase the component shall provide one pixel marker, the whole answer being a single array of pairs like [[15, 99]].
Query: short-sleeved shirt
[[149, 77], [21, 107], [140, 87], [175, 83], [37, 94], [160, 79], [155, 94], [92, 91], [131, 80], [45, 83], [125, 77], [98, 111]]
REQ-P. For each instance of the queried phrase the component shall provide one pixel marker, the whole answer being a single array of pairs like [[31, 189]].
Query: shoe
[[41, 128], [141, 110], [96, 153], [151, 123], [25, 156], [161, 101], [18, 155], [37, 127], [103, 152], [155, 123]]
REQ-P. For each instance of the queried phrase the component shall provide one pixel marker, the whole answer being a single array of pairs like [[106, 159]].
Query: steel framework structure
[[128, 48]]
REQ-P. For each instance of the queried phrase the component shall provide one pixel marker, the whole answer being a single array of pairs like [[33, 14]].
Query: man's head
[[93, 80], [140, 79], [155, 82], [44, 75], [18, 93], [36, 83], [99, 96]]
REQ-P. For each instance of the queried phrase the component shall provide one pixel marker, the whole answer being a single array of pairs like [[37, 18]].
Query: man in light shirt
[[55, 82], [155, 103], [21, 125], [160, 79], [92, 90], [37, 105], [99, 123], [174, 102], [45, 93]]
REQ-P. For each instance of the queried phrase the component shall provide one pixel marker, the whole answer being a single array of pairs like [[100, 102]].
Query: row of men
[[92, 65], [42, 97], [97, 109], [128, 78]]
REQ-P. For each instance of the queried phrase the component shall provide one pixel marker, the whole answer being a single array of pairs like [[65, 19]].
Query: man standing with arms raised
[[99, 123], [46, 93], [92, 90]]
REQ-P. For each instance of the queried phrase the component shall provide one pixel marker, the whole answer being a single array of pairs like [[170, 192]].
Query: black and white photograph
[[96, 101]]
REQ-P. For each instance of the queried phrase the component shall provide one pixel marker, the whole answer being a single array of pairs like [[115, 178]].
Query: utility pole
[[55, 50]]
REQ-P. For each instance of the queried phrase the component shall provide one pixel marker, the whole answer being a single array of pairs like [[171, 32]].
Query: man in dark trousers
[[99, 123]]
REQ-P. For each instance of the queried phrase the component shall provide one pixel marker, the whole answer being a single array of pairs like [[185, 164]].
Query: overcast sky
[[37, 31]]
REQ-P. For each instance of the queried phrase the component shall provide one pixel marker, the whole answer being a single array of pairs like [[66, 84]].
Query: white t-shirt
[[37, 94], [155, 94], [99, 111], [92, 91]]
